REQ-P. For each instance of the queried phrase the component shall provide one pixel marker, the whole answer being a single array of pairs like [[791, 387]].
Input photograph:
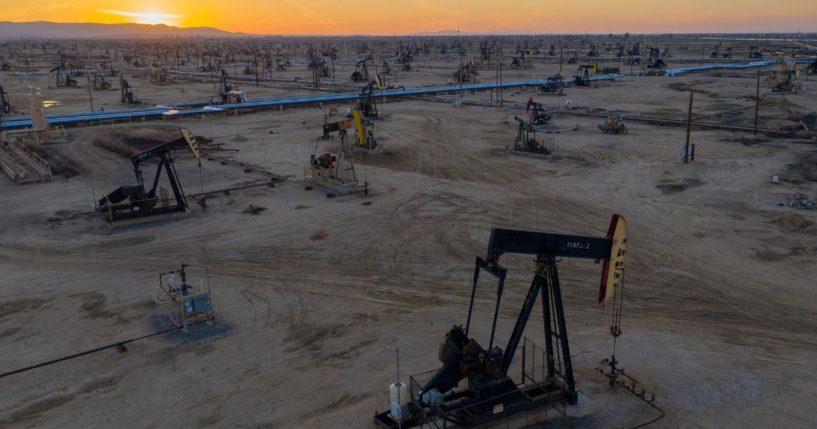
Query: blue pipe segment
[[199, 108], [691, 69], [754, 64]]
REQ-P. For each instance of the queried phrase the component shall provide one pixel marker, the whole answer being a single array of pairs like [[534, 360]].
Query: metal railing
[[44, 168], [533, 377]]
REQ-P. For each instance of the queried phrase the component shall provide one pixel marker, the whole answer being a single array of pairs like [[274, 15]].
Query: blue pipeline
[[707, 67], [199, 108]]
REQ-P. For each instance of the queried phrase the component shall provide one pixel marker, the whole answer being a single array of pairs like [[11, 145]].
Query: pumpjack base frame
[[512, 151], [157, 215], [335, 187], [378, 149], [458, 410]]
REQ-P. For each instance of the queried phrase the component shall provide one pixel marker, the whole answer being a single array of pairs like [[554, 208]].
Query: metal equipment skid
[[613, 125], [187, 306], [335, 172]]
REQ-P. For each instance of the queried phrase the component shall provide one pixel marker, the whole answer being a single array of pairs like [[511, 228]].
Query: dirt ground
[[312, 293]]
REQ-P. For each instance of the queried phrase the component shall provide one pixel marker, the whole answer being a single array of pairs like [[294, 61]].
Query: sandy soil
[[719, 316]]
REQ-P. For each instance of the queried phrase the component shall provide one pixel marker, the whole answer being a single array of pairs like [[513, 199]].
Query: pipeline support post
[[757, 99], [685, 157]]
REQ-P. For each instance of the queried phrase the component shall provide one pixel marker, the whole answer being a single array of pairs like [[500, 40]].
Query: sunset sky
[[412, 16]]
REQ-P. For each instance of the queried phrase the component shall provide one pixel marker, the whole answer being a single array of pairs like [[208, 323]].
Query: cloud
[[142, 15], [309, 13], [51, 6]]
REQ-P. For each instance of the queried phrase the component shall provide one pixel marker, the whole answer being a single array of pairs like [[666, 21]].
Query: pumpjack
[[490, 393], [526, 141], [158, 75], [132, 202], [366, 102], [405, 58], [790, 83], [63, 80], [634, 54], [361, 73], [316, 62], [522, 60], [538, 114], [484, 52], [654, 61], [385, 66], [583, 78], [100, 83], [335, 172], [282, 64], [466, 73], [364, 130], [126, 91], [227, 93], [716, 52], [5, 106], [331, 127], [554, 85]]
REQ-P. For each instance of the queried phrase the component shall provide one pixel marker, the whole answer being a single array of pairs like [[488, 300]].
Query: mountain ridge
[[87, 30]]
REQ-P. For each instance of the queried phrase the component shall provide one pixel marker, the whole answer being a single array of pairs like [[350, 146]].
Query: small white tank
[[399, 397], [35, 100]]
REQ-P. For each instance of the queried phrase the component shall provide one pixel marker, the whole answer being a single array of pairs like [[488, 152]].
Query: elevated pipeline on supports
[[192, 109]]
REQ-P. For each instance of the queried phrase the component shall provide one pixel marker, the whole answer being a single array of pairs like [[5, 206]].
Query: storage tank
[[35, 101], [399, 396]]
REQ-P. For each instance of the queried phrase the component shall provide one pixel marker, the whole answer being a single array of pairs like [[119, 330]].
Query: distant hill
[[54, 30], [439, 33], [466, 33]]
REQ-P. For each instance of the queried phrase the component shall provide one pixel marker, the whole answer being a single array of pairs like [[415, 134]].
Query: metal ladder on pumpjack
[[348, 165]]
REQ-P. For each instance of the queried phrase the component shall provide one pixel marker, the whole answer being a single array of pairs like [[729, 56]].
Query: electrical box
[[197, 304]]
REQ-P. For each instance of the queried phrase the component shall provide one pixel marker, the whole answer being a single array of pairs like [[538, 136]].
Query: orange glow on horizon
[[152, 18], [384, 17]]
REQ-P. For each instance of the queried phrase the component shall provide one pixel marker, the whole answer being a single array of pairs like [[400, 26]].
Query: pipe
[[203, 108]]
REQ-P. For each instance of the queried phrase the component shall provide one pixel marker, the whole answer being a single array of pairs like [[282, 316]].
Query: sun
[[153, 18]]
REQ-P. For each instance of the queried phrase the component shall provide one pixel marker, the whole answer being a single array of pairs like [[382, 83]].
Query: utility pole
[[561, 57], [316, 75], [90, 94], [689, 128], [460, 75], [88, 79], [255, 66], [500, 83], [757, 99], [496, 90]]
